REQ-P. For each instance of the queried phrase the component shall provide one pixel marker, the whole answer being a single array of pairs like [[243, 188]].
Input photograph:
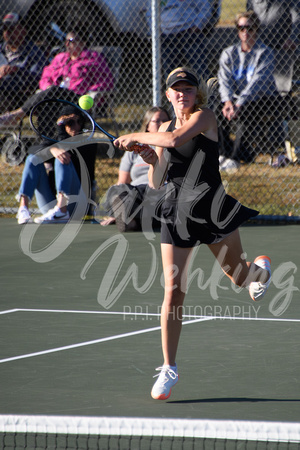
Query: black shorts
[[188, 224]]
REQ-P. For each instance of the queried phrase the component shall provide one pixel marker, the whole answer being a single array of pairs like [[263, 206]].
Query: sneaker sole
[[160, 397], [163, 396], [23, 222], [262, 257]]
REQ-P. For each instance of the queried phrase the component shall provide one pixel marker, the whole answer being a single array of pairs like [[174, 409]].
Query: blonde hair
[[203, 91]]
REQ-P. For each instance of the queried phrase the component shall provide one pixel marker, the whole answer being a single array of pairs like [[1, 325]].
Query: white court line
[[75, 311], [195, 319], [8, 311], [96, 341], [123, 313]]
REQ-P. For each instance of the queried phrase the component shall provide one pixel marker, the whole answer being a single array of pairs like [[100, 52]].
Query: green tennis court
[[80, 327]]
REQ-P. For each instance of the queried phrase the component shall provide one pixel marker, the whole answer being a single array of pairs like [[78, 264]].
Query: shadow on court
[[80, 327], [233, 400]]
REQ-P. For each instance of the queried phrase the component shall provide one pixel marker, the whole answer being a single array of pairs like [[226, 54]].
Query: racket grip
[[137, 148]]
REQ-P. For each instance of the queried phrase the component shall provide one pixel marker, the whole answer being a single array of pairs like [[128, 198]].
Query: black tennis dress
[[196, 209]]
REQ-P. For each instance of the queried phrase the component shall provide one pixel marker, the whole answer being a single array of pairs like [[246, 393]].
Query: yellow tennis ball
[[86, 102]]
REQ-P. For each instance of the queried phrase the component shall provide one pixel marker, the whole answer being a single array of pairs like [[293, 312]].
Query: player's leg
[[175, 264], [230, 255]]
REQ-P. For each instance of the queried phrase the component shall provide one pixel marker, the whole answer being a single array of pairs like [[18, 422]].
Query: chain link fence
[[151, 41]]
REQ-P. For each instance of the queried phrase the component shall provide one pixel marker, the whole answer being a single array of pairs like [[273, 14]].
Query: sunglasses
[[245, 28], [70, 40], [72, 122]]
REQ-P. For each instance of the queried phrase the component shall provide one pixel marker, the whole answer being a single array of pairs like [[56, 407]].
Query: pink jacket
[[89, 72]]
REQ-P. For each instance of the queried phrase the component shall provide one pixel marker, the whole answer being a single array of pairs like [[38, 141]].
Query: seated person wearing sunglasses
[[248, 94], [71, 172], [71, 74]]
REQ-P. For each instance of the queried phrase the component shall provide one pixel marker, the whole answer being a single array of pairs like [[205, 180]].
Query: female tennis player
[[196, 209]]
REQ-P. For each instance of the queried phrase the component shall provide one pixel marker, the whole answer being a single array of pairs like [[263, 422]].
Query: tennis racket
[[47, 116]]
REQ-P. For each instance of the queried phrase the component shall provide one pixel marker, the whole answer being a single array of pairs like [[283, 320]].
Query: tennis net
[[123, 433]]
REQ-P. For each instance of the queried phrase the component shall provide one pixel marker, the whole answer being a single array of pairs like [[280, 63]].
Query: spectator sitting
[[67, 175], [248, 93], [132, 181], [21, 63], [69, 75]]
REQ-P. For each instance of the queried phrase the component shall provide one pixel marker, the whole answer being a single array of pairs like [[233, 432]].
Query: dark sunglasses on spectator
[[70, 40], [245, 27], [71, 122]]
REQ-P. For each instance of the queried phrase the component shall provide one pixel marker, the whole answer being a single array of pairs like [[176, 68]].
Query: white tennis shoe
[[23, 215], [54, 215], [257, 289], [167, 378]]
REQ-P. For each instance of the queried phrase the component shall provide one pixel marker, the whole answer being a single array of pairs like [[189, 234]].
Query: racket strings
[[49, 118], [44, 120]]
